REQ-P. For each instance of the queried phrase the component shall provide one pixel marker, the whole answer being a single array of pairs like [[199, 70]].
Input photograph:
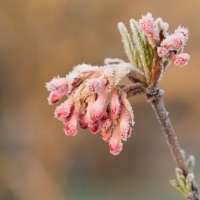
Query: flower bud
[[162, 51], [96, 85], [56, 83], [98, 108], [94, 127], [181, 59], [106, 124], [183, 31], [115, 104], [125, 129], [71, 124], [115, 143], [64, 109], [148, 26], [56, 96], [106, 134], [91, 99], [176, 40]]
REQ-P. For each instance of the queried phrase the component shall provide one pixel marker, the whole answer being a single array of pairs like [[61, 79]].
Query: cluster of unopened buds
[[88, 87], [88, 91], [169, 47]]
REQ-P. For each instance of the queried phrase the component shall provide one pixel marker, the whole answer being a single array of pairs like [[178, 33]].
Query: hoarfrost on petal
[[128, 107], [183, 31], [98, 108], [96, 85], [56, 96], [162, 51], [106, 134], [115, 105], [56, 83], [125, 129], [115, 143], [64, 109], [148, 26], [181, 59], [71, 124]]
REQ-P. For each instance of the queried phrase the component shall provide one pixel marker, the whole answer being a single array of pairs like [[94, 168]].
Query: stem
[[133, 89], [162, 115]]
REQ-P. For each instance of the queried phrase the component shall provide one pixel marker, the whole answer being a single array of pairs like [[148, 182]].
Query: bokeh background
[[42, 39]]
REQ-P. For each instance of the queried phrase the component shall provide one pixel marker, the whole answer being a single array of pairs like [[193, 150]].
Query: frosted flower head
[[172, 46], [175, 41], [87, 90]]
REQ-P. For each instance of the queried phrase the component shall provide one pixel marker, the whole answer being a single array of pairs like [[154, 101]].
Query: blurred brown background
[[41, 39]]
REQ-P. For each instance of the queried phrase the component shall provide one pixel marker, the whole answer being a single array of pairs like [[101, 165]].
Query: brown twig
[[172, 141]]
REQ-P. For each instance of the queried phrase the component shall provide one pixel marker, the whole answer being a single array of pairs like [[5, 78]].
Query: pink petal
[[106, 124], [83, 121], [91, 99], [148, 26], [96, 85], [115, 104], [176, 40], [64, 109], [105, 116], [57, 83], [56, 96], [115, 143], [124, 124], [162, 51], [106, 134], [71, 124], [98, 108], [181, 59], [183, 31], [94, 127]]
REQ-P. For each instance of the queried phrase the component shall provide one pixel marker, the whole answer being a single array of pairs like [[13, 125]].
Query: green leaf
[[128, 45], [144, 49]]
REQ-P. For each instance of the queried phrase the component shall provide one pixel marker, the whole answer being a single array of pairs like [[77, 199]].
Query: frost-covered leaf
[[128, 45], [144, 48]]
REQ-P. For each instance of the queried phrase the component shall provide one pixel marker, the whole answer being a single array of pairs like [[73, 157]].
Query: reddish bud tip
[[71, 124], [64, 109], [162, 51], [115, 104], [106, 134], [94, 127], [115, 145], [181, 59]]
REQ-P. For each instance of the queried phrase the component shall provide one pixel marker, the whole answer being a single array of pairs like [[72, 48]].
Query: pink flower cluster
[[169, 47], [88, 103]]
